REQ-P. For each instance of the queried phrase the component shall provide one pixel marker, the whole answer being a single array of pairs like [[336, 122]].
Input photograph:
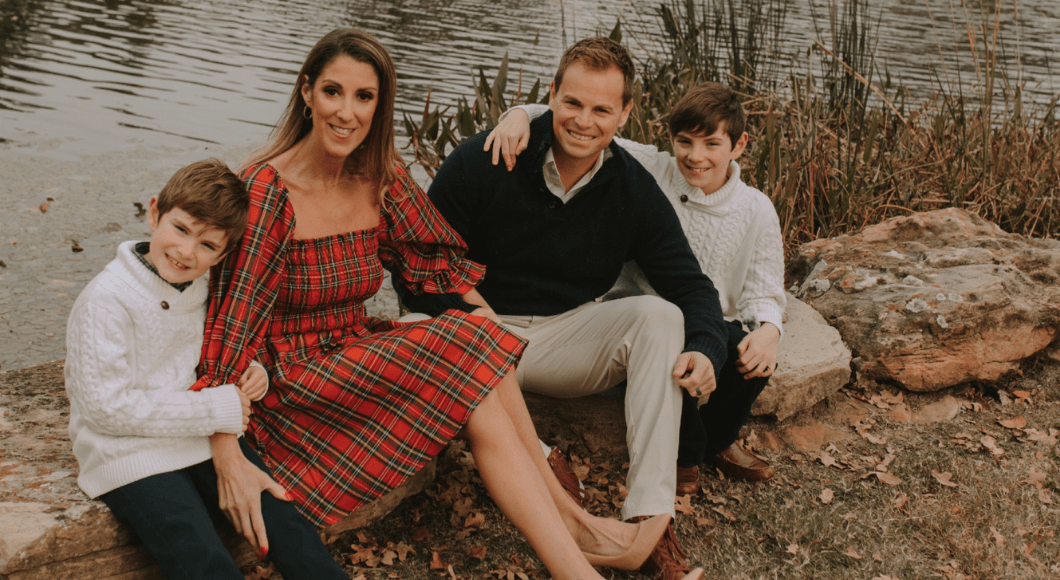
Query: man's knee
[[656, 314]]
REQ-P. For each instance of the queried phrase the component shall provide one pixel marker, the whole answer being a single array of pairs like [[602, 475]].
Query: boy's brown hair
[[705, 108], [212, 194], [599, 53]]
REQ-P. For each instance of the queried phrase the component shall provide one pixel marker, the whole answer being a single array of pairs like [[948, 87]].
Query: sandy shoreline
[[92, 204]]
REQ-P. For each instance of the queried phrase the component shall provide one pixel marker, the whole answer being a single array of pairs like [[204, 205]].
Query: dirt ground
[[872, 483]]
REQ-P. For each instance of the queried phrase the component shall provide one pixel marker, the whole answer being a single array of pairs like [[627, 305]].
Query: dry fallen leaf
[[998, 538], [1043, 496], [436, 562], [851, 552], [793, 548], [1022, 395], [826, 459], [888, 478], [899, 501], [991, 444], [1035, 477], [421, 533], [826, 496], [1013, 423], [76, 247], [44, 207], [478, 553], [726, 514], [475, 520], [683, 504], [943, 478]]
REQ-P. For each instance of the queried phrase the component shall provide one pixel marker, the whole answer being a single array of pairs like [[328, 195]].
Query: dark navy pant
[[710, 429], [174, 514]]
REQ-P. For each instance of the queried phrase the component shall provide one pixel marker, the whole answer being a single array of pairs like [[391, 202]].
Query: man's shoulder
[[632, 176]]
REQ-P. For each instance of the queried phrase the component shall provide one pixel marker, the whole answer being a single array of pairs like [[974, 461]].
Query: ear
[[625, 114], [306, 90], [551, 94], [738, 148], [152, 214]]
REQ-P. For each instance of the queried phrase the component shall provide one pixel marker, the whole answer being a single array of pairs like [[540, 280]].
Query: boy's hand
[[254, 382], [758, 352], [244, 400], [509, 138]]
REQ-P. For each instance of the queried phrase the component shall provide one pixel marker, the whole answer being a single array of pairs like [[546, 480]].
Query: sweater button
[[165, 305], [684, 198], [553, 204]]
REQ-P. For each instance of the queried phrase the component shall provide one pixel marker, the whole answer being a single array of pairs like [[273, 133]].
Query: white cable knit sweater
[[133, 344], [734, 233]]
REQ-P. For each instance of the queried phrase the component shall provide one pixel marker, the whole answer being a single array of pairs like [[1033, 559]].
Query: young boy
[[141, 438], [734, 231]]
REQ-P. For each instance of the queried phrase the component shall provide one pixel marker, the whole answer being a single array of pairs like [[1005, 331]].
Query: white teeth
[[579, 137], [341, 131], [176, 264]]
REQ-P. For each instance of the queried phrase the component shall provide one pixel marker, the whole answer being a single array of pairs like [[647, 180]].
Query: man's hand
[[695, 373], [239, 485], [509, 137], [486, 312], [254, 382], [758, 352]]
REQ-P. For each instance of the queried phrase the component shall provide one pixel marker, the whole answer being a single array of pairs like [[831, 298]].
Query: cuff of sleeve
[[715, 352], [226, 408], [773, 316]]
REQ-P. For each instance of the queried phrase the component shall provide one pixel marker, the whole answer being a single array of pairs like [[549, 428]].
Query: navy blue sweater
[[544, 257]]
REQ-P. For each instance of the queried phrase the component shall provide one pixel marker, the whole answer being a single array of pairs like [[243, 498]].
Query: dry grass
[[956, 510]]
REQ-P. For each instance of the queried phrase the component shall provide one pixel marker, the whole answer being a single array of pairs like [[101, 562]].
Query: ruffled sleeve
[[419, 248], [243, 287]]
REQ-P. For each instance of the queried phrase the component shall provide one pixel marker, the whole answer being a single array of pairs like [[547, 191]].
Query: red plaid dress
[[356, 404]]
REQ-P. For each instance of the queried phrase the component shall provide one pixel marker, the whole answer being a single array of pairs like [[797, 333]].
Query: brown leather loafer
[[667, 560], [735, 462], [687, 480], [566, 476]]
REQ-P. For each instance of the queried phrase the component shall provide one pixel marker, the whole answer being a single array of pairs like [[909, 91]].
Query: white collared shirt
[[555, 183]]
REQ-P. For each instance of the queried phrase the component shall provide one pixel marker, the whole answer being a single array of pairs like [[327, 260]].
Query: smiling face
[[587, 109], [343, 102], [182, 248], [703, 160]]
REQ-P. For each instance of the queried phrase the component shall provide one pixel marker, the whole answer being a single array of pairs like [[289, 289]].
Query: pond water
[[85, 76], [100, 100]]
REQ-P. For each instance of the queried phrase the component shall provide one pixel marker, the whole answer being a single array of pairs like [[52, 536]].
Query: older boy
[[554, 234], [734, 231], [141, 438]]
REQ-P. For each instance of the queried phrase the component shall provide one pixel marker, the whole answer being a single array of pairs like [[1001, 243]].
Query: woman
[[357, 404]]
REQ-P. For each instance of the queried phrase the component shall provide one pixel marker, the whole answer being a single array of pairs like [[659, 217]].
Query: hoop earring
[[307, 113]]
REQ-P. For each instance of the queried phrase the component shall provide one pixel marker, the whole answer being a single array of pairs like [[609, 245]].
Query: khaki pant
[[598, 345]]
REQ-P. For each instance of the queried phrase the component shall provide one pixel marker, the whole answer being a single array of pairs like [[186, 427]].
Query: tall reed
[[833, 144]]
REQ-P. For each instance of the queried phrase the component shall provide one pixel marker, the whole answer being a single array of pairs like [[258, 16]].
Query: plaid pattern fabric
[[356, 404]]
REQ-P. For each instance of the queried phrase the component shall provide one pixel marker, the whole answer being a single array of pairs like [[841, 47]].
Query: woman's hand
[[758, 352], [254, 382], [239, 487], [509, 137]]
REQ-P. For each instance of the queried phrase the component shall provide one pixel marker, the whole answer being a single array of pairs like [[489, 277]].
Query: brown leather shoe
[[687, 480], [566, 476], [734, 461], [667, 560]]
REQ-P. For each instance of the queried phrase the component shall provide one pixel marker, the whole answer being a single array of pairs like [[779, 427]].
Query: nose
[[698, 153], [186, 248], [346, 112], [582, 118]]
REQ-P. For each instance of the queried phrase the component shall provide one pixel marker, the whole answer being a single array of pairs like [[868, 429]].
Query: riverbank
[[61, 221]]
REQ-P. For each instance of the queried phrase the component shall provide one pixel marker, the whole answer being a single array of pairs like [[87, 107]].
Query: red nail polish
[[262, 553], [288, 496]]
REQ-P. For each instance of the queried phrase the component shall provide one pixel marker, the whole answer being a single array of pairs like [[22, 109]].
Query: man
[[554, 234]]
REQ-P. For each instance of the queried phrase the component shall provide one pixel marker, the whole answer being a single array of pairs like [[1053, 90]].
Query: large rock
[[49, 529], [812, 363], [934, 299]]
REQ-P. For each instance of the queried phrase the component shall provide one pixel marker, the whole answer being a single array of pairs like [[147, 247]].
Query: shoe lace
[[668, 556]]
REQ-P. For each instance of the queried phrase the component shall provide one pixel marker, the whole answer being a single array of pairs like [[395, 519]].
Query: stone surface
[[50, 529], [812, 363], [934, 299]]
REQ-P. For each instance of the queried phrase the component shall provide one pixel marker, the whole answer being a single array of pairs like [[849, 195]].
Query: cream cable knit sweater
[[734, 233], [133, 343]]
